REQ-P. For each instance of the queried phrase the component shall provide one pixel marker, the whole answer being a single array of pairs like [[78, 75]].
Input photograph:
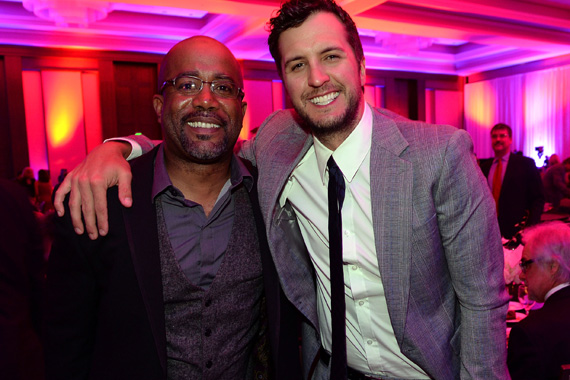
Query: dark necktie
[[338, 315]]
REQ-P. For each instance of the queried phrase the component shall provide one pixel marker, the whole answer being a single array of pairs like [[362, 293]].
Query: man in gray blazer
[[424, 291]]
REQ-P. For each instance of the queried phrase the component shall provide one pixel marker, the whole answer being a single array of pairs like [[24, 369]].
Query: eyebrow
[[324, 51], [217, 76]]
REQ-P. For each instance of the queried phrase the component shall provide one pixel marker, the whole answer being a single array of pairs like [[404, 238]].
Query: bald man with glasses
[[177, 289]]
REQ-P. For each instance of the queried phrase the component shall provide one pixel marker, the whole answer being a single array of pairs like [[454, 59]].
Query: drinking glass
[[523, 297]]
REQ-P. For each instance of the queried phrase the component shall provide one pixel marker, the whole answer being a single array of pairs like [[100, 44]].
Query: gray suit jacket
[[438, 243]]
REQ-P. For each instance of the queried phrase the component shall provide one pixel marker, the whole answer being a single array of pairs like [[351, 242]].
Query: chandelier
[[69, 12]]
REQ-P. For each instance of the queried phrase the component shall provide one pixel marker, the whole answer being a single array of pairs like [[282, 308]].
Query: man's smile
[[323, 100]]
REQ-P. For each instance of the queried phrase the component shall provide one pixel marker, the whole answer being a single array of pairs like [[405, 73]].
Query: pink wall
[[62, 116]]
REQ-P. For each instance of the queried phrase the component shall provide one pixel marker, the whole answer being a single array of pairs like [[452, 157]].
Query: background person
[[44, 190], [555, 186], [516, 186], [540, 343]]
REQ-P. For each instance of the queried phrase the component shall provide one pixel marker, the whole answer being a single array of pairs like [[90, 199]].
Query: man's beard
[[204, 152], [209, 151], [346, 121]]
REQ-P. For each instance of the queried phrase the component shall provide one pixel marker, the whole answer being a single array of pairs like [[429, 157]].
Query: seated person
[[540, 344], [555, 187]]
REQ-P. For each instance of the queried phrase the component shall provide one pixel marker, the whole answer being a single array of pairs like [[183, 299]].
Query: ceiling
[[460, 37]]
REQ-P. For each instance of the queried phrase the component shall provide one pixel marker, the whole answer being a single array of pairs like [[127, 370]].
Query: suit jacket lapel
[[142, 236], [391, 181], [289, 252]]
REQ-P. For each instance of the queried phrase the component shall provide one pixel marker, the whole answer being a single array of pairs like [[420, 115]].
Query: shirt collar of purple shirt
[[161, 180]]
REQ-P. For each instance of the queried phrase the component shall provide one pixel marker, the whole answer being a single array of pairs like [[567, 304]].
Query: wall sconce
[[66, 12]]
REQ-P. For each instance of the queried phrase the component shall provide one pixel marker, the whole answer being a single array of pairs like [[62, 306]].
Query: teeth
[[325, 99], [199, 124]]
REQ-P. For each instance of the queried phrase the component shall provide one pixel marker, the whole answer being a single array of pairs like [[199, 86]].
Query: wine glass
[[523, 297]]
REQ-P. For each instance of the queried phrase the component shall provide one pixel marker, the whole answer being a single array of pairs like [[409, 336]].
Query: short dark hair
[[566, 161], [44, 175], [294, 12], [503, 126]]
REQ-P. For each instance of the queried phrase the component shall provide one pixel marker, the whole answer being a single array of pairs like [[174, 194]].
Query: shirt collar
[[505, 158], [555, 289], [351, 153], [238, 174]]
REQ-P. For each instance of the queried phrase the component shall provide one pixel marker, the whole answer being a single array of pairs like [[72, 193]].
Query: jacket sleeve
[[140, 144], [472, 245]]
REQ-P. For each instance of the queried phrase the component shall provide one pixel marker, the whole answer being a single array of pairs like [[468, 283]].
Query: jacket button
[[208, 332], [209, 364]]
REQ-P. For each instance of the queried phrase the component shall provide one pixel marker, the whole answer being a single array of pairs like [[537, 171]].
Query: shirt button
[[208, 332], [361, 303], [346, 233], [369, 341], [354, 267], [209, 364]]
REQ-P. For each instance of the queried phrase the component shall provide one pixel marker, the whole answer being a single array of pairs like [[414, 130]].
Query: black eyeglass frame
[[524, 264], [239, 95]]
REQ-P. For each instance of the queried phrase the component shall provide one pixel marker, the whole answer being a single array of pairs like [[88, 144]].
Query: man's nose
[[205, 98], [317, 76]]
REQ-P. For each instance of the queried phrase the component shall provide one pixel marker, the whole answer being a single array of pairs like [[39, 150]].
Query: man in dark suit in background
[[515, 183], [540, 344]]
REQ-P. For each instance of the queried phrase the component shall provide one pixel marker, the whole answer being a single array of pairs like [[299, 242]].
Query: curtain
[[535, 105]]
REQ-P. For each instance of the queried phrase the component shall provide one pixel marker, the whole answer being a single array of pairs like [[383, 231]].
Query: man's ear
[[554, 267], [158, 102], [363, 72], [243, 108]]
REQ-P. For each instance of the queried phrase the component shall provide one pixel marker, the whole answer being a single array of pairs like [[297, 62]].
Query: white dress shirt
[[371, 345]]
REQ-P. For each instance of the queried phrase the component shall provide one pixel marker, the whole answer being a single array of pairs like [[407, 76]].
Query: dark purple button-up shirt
[[198, 242]]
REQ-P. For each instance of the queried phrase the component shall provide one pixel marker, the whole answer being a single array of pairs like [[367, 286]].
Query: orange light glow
[[63, 102], [480, 116], [64, 118]]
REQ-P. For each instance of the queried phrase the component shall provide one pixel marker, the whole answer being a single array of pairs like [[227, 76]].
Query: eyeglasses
[[189, 85], [497, 135], [524, 264]]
